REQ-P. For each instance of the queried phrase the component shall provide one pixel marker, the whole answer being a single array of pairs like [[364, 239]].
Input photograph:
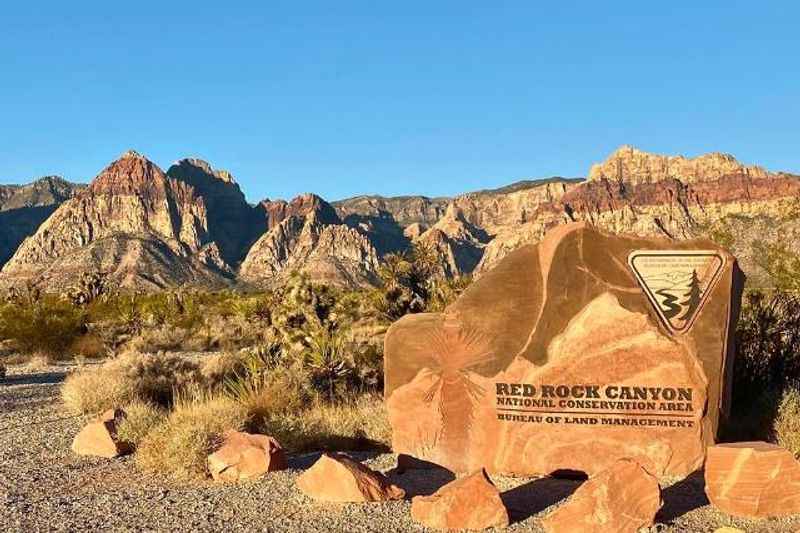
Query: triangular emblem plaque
[[677, 282]]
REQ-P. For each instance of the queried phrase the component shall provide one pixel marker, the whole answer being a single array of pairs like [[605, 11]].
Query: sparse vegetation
[[767, 366], [43, 324], [129, 377], [304, 362], [787, 422], [140, 418], [180, 444]]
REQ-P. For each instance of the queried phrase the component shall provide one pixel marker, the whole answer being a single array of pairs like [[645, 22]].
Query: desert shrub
[[413, 282], [161, 338], [234, 332], [444, 291], [128, 377], [787, 422], [89, 346], [360, 423], [180, 445], [767, 362], [222, 367], [264, 394], [140, 418], [48, 325], [768, 344], [251, 307], [781, 263]]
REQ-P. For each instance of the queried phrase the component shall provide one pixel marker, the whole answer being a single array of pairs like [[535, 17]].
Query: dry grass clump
[[358, 424], [131, 376], [140, 418], [163, 338], [180, 445], [88, 346], [222, 367], [787, 423]]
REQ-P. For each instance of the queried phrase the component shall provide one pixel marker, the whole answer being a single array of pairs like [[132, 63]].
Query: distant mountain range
[[150, 229]]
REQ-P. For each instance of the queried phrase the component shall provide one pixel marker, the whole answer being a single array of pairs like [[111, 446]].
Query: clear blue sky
[[430, 97]]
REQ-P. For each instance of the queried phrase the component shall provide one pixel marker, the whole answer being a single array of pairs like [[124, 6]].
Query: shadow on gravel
[[535, 496], [45, 378], [420, 481], [682, 497]]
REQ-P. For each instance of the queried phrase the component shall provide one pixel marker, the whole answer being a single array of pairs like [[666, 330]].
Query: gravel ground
[[43, 486]]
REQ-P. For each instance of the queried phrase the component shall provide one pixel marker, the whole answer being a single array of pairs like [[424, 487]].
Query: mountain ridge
[[192, 223]]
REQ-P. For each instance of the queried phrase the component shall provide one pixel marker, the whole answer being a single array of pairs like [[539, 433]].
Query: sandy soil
[[43, 486]]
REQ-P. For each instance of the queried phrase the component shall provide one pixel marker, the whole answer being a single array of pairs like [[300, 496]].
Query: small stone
[[471, 502], [335, 477], [753, 479], [624, 498], [246, 456], [99, 438]]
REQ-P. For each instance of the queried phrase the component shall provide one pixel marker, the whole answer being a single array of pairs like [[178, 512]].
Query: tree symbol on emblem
[[692, 301]]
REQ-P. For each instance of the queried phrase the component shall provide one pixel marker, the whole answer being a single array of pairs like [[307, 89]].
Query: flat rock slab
[[622, 499], [99, 437], [245, 456], [472, 502], [569, 355], [335, 477], [753, 480]]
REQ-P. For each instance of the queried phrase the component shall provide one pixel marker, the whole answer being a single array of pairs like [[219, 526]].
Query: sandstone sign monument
[[571, 354]]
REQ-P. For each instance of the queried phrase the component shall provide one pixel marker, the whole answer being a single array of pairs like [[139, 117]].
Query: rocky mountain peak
[[205, 167], [276, 211], [632, 165], [132, 173], [132, 154]]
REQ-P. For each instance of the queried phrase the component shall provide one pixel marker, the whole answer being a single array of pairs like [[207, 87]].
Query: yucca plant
[[330, 371]]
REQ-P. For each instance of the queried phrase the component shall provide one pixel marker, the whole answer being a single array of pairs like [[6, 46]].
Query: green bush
[[47, 326]]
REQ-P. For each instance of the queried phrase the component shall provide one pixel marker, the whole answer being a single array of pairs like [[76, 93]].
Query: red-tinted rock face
[[276, 211], [593, 197], [753, 479], [335, 477], [99, 437], [245, 456], [198, 224], [623, 499], [472, 502], [559, 359]]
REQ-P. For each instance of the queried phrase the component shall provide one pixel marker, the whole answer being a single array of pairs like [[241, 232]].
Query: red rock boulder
[[753, 479], [570, 355], [99, 437], [472, 502], [335, 477], [246, 456], [622, 499]]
